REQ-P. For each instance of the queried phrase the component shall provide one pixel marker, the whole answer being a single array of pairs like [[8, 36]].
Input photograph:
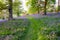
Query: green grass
[[16, 28], [41, 29], [47, 28]]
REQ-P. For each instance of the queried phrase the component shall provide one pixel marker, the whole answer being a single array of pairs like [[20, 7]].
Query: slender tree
[[38, 6], [10, 10], [58, 5], [47, 2], [45, 7]]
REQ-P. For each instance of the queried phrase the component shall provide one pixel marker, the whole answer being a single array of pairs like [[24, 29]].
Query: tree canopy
[[38, 5]]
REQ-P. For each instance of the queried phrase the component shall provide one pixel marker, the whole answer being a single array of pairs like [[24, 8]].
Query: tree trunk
[[58, 5], [18, 14], [10, 10], [45, 7], [38, 9]]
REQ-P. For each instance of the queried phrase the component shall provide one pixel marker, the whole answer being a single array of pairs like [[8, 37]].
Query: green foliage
[[17, 7], [46, 28], [3, 5], [59, 8], [43, 29], [36, 5], [53, 1], [16, 28]]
